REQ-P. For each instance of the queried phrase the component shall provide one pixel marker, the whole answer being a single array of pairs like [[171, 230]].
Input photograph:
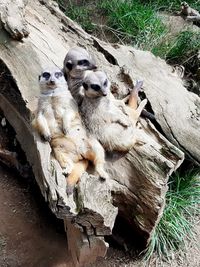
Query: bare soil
[[29, 235]]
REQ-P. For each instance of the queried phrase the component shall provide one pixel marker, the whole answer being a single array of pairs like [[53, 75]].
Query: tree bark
[[138, 180]]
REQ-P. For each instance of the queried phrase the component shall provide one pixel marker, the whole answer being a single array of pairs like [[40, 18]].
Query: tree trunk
[[138, 180]]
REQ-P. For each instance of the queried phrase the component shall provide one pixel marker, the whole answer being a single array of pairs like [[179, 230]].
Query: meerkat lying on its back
[[76, 62], [114, 127], [58, 121]]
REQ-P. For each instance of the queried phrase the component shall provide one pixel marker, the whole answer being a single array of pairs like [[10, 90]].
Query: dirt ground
[[30, 236]]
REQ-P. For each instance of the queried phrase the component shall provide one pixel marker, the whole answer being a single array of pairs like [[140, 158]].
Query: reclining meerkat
[[58, 122], [115, 128]]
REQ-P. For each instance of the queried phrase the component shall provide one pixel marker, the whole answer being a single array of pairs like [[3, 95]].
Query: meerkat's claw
[[65, 131], [103, 179], [103, 175], [46, 137], [68, 169], [69, 189]]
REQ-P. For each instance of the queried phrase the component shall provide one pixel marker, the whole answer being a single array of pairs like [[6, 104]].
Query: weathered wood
[[12, 18], [138, 179], [84, 248]]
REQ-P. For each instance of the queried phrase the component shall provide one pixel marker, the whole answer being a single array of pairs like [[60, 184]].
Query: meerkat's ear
[[39, 77], [69, 64], [85, 86]]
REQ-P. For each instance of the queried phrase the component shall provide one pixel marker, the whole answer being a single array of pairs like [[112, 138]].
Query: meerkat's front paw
[[46, 137]]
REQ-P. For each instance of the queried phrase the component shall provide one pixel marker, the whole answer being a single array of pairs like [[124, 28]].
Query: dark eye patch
[[83, 62], [58, 74], [69, 65], [85, 86], [105, 83], [46, 75], [95, 87]]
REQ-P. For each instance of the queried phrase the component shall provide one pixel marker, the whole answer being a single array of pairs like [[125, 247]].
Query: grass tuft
[[179, 49], [176, 224], [78, 13], [137, 23]]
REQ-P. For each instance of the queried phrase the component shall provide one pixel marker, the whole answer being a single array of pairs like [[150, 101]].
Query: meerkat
[[58, 122], [188, 12], [75, 67], [76, 62], [115, 128]]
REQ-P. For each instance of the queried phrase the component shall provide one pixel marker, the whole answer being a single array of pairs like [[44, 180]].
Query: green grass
[[169, 5], [134, 22], [78, 13], [179, 49], [176, 224]]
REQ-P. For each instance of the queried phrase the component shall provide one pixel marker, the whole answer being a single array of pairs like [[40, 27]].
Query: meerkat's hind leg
[[133, 98], [64, 160], [72, 179], [97, 156]]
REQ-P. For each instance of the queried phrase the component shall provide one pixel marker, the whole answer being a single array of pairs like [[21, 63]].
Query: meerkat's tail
[[79, 168], [133, 98]]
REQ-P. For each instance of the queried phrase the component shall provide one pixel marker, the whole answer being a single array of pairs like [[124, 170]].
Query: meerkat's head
[[77, 61], [184, 5], [96, 84], [51, 79]]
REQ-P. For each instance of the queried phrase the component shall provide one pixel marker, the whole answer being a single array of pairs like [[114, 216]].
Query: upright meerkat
[[113, 126], [76, 62], [58, 122], [188, 12]]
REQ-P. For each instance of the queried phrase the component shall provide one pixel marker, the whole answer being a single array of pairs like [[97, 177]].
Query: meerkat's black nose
[[104, 94], [52, 82], [93, 67]]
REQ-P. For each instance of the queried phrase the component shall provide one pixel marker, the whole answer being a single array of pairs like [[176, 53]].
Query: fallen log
[[138, 180]]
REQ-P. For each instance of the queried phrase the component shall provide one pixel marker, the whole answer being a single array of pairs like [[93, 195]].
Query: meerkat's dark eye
[[69, 65], [83, 62], [46, 75], [85, 86], [105, 83], [58, 74], [95, 87]]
